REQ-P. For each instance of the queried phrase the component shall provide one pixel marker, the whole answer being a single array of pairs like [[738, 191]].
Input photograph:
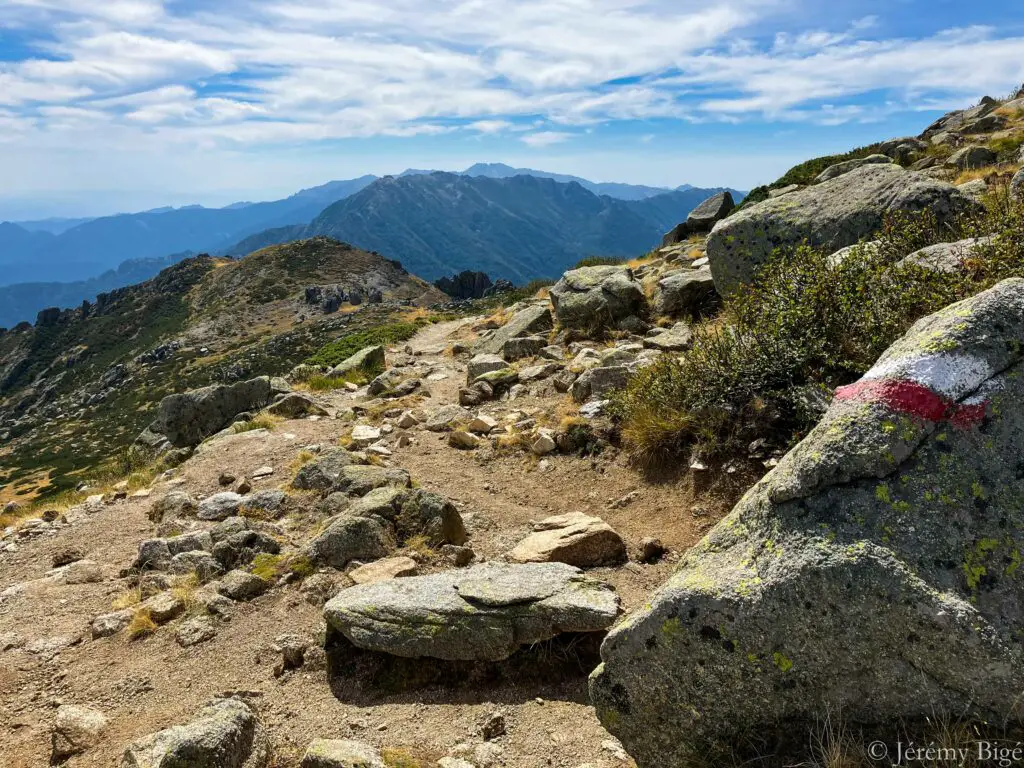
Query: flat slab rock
[[483, 613], [576, 539]]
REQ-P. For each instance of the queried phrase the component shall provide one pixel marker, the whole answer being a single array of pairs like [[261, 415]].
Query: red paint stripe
[[915, 399]]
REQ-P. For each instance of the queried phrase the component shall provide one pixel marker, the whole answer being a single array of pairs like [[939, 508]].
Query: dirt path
[[148, 684]]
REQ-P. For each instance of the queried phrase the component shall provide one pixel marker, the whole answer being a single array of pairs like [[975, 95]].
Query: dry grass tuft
[[185, 589], [420, 544], [259, 421], [141, 625], [127, 599]]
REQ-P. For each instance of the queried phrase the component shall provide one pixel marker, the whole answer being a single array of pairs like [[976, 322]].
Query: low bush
[[806, 325], [345, 346], [599, 261]]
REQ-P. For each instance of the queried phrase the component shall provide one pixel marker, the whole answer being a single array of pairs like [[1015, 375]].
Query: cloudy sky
[[110, 105]]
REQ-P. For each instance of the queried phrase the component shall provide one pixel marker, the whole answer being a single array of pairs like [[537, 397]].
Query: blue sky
[[110, 105]]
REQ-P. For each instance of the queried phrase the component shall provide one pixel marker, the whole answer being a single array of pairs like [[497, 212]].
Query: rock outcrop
[[483, 613], [575, 539], [225, 734], [832, 215], [185, 420], [875, 572], [592, 298], [702, 218], [528, 321]]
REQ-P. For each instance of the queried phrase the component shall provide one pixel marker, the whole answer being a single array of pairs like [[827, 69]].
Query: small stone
[[75, 730], [243, 487], [67, 556], [482, 425], [262, 472], [544, 443], [463, 440], [364, 435], [382, 570], [651, 550], [407, 420], [293, 653], [220, 506], [82, 572], [110, 623], [226, 479], [194, 632], [458, 556], [339, 753], [493, 727], [242, 586], [164, 607]]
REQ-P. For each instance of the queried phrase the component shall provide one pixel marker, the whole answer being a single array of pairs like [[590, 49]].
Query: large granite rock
[[837, 170], [702, 218], [597, 297], [1017, 183], [832, 215], [324, 472], [483, 613], [944, 257], [526, 322], [187, 419], [970, 158], [367, 362], [225, 734], [687, 292], [875, 572]]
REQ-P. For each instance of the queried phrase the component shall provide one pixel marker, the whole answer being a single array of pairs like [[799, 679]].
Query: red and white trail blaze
[[928, 387]]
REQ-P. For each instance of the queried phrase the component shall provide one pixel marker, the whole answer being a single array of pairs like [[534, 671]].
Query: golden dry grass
[[141, 625], [127, 599]]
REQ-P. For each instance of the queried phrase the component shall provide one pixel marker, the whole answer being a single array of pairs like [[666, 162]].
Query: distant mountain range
[[518, 227], [474, 222]]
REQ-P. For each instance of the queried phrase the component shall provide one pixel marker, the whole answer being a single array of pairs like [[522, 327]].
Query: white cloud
[[545, 138]]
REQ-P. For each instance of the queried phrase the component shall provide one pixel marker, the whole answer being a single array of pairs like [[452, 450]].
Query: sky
[[124, 105]]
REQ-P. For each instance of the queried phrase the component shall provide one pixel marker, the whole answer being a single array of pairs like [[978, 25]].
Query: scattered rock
[[176, 504], [447, 418], [220, 506], [66, 556], [458, 556], [323, 472], [338, 753], [482, 613], [164, 607], [195, 631], [970, 158], [351, 538], [242, 586], [224, 734], [75, 730], [592, 298], [544, 443], [598, 382], [678, 338], [523, 346], [382, 570], [527, 322], [702, 218], [295, 405], [494, 727], [463, 440], [575, 539], [364, 435], [82, 572], [686, 293], [482, 425], [368, 361], [110, 624], [187, 419]]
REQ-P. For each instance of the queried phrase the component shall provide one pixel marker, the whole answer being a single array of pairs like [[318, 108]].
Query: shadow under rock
[[555, 670]]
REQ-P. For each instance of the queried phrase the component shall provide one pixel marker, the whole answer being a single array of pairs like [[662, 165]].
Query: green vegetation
[[344, 347], [599, 261], [806, 173], [259, 421], [806, 324]]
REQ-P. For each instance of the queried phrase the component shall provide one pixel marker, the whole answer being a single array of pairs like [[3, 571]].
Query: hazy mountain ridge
[[518, 228]]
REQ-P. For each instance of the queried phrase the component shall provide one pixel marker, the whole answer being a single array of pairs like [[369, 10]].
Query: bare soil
[[148, 684]]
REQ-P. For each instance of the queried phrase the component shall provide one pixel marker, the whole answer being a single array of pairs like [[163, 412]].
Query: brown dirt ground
[[149, 684]]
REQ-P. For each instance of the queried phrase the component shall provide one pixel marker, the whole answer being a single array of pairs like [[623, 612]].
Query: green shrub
[[805, 173], [599, 261], [344, 347], [805, 323]]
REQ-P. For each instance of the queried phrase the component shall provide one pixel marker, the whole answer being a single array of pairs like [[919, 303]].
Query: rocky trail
[[50, 658]]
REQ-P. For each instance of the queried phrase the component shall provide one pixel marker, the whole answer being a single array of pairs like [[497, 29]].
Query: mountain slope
[[518, 228], [82, 383]]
